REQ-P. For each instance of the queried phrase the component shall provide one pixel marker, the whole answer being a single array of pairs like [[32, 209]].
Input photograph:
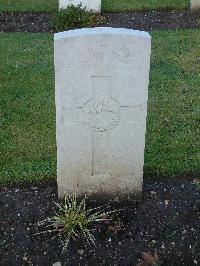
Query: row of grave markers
[[95, 5]]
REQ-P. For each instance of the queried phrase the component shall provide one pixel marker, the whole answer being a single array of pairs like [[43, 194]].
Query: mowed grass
[[107, 5], [28, 5], [27, 107], [173, 132], [28, 148], [135, 5]]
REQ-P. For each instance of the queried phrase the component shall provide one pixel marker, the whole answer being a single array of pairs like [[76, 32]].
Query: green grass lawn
[[29, 5], [107, 5], [130, 5], [28, 149]]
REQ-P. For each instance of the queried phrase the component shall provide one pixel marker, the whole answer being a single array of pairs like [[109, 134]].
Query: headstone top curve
[[100, 30]]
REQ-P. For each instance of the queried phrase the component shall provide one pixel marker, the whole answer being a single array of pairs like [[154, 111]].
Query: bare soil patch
[[167, 220], [150, 20]]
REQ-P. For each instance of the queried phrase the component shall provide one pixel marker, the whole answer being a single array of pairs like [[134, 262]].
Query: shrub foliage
[[74, 17]]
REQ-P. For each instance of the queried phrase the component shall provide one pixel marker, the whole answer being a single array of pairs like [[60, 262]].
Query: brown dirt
[[151, 20], [167, 220]]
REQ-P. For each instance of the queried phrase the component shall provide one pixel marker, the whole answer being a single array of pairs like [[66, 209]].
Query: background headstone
[[195, 5], [102, 77], [94, 5]]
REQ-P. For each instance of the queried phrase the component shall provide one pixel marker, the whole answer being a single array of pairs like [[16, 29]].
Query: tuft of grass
[[27, 108], [73, 220], [107, 5]]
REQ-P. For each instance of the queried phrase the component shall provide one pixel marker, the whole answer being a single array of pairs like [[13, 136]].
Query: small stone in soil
[[34, 188], [80, 251], [58, 263]]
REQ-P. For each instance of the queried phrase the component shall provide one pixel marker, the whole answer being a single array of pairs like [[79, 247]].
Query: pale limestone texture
[[101, 77], [195, 5], [94, 5]]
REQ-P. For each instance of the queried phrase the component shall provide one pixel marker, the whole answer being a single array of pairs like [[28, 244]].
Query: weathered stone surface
[[195, 5], [94, 5], [57, 264], [102, 77]]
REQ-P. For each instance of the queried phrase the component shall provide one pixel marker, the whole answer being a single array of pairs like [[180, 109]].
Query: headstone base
[[90, 5], [194, 5]]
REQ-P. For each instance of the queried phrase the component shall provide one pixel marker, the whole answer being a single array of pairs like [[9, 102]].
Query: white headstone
[[102, 77], [195, 5], [94, 5]]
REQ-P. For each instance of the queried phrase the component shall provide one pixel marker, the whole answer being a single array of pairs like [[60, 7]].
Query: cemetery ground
[[167, 218]]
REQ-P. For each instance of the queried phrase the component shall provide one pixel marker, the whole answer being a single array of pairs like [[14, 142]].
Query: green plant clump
[[73, 220], [74, 17]]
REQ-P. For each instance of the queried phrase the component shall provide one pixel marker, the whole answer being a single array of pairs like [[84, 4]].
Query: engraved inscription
[[103, 113]]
